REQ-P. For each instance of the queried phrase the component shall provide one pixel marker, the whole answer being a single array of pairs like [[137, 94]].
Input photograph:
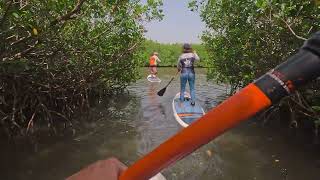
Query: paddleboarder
[[186, 66], [153, 61]]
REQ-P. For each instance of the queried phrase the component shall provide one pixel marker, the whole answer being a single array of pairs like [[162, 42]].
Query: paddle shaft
[[172, 79], [270, 88]]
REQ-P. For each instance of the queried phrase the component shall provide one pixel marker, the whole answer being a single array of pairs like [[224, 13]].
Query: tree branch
[[297, 36], [21, 39], [20, 54], [69, 15], [5, 13], [129, 50]]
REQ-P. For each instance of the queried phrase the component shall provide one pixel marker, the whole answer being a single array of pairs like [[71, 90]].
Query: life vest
[[153, 61]]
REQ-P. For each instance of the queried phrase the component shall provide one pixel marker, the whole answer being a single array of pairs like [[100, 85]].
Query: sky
[[178, 25]]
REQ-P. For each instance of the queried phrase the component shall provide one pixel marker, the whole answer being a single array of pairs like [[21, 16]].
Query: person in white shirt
[[186, 66]]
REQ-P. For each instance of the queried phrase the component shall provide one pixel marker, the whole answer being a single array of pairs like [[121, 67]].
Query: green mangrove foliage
[[57, 55], [247, 38], [169, 53]]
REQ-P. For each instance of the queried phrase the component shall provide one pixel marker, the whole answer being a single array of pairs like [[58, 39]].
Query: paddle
[[163, 90]]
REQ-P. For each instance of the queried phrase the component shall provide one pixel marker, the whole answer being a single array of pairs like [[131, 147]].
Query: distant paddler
[[153, 62]]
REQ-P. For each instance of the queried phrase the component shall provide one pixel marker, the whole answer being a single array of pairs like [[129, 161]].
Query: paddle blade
[[162, 91]]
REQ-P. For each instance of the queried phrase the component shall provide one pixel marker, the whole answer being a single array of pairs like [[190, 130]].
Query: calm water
[[131, 125]]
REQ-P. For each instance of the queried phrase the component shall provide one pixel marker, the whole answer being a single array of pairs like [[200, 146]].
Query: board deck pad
[[184, 112], [153, 79]]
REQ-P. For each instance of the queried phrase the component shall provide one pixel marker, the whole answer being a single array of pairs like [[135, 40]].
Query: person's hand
[[109, 169]]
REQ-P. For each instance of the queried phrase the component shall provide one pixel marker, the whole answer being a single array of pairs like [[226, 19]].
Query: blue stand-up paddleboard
[[153, 79], [184, 112]]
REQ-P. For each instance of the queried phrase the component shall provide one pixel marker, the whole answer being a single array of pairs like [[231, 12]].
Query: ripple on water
[[132, 125]]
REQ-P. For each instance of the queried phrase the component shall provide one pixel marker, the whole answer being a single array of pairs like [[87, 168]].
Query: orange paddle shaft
[[270, 88]]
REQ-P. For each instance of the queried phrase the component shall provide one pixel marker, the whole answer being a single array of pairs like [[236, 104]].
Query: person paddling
[[186, 66], [153, 61]]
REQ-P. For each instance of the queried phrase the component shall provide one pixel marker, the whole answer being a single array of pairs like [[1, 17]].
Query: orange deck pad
[[184, 115], [232, 111]]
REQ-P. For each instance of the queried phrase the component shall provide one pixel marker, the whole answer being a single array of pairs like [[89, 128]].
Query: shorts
[[153, 69]]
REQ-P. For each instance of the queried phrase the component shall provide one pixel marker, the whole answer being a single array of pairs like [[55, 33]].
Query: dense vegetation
[[56, 55], [169, 53], [247, 38]]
